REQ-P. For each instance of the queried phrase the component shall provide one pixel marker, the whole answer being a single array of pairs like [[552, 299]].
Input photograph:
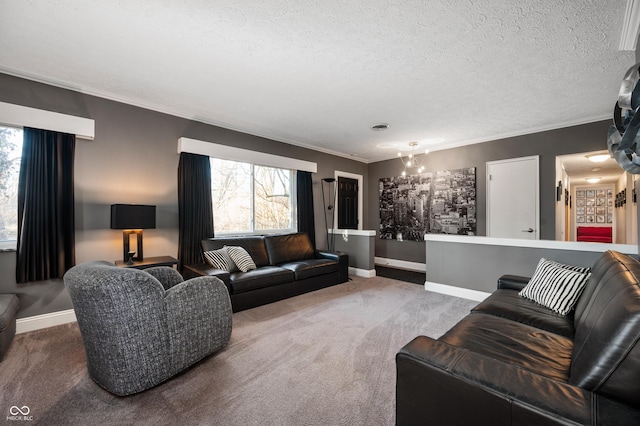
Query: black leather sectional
[[514, 362], [287, 265]]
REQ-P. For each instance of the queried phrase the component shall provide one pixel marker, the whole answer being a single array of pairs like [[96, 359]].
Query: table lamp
[[132, 218]]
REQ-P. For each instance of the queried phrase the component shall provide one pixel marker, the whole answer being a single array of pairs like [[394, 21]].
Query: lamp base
[[126, 235], [131, 254]]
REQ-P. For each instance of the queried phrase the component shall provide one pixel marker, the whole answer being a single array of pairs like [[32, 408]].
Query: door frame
[[359, 178], [537, 190]]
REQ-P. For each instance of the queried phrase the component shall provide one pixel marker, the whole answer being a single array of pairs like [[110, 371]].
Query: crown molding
[[630, 26], [254, 131]]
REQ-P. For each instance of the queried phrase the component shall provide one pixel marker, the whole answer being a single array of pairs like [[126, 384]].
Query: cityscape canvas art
[[441, 202]]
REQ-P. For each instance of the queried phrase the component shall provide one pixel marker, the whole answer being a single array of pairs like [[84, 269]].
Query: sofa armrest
[[512, 282], [205, 270], [341, 258], [432, 375], [167, 276]]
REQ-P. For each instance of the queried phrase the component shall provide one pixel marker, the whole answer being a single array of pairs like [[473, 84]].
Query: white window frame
[[293, 212]]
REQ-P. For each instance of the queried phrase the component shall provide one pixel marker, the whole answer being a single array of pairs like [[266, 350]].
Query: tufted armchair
[[141, 327]]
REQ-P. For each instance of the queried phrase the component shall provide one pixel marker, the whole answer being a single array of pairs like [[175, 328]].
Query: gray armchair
[[141, 327]]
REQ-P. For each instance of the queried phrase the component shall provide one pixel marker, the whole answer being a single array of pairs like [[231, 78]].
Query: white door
[[512, 198]]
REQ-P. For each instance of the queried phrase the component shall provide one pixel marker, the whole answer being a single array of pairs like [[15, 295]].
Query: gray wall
[[484, 264], [133, 159], [583, 138], [360, 249]]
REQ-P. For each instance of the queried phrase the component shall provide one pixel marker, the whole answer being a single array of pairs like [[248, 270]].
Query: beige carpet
[[323, 358]]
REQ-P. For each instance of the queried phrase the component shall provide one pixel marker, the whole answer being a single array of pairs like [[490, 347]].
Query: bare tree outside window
[[249, 198], [231, 194], [10, 155], [272, 198]]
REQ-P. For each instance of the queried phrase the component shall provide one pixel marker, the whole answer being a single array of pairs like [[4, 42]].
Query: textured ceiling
[[320, 73]]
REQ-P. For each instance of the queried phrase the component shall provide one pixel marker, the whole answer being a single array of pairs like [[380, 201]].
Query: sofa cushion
[[241, 258], [508, 304], [253, 244], [288, 247], [606, 354], [594, 234], [265, 276], [533, 349], [555, 286], [220, 259], [311, 267]]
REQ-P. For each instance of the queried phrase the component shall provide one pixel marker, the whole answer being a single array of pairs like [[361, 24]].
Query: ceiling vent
[[379, 127]]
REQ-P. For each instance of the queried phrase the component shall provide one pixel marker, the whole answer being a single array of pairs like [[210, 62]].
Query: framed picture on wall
[[580, 202], [579, 210], [609, 219], [601, 210], [590, 218], [601, 201], [591, 193], [609, 202], [600, 193], [580, 193], [591, 210], [600, 218], [610, 193], [580, 219]]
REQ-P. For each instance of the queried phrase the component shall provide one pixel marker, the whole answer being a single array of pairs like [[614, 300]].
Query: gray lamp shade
[[133, 216]]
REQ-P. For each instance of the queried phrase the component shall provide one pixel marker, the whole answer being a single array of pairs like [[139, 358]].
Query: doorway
[[347, 203], [348, 211]]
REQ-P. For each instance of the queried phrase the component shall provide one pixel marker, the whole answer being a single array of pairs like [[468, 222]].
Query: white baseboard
[[465, 293], [402, 264], [38, 322], [365, 273]]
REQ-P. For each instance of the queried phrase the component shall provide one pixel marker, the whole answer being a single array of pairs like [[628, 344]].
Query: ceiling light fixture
[[411, 160], [598, 158], [593, 180]]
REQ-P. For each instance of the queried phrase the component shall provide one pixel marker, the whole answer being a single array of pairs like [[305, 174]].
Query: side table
[[149, 262]]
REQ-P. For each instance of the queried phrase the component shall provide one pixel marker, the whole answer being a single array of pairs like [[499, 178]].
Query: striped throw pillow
[[220, 259], [555, 287], [242, 259]]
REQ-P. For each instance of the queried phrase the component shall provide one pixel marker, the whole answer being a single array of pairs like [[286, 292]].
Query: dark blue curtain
[[194, 206], [46, 234], [306, 221]]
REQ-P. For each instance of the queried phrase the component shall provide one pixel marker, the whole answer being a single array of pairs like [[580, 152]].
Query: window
[[10, 155], [248, 198]]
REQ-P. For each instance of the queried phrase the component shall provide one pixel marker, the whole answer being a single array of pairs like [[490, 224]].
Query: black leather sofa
[[287, 266], [514, 362]]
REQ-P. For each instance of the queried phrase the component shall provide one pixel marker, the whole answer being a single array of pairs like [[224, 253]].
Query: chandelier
[[622, 138], [411, 160]]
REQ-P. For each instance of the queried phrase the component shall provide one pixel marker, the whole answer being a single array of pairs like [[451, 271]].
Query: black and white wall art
[[441, 202]]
